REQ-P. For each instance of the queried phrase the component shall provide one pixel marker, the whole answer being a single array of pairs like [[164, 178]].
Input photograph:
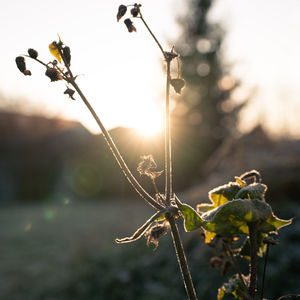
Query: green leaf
[[273, 224], [204, 207], [232, 217], [192, 220], [224, 193], [234, 287], [252, 191]]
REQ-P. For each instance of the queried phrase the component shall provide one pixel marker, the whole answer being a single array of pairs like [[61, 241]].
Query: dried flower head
[[130, 25], [53, 74], [178, 84], [121, 12], [70, 92], [33, 53], [135, 12], [66, 51], [20, 61], [154, 233], [146, 165]]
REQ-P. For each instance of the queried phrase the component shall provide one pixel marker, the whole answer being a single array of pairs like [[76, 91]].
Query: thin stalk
[[168, 138], [183, 264], [181, 257], [264, 273], [236, 266], [152, 34], [129, 176], [253, 262]]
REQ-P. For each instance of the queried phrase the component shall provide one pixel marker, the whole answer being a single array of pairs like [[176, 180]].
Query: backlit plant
[[238, 221]]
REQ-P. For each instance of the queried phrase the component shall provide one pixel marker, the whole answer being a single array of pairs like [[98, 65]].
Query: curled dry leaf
[[178, 84]]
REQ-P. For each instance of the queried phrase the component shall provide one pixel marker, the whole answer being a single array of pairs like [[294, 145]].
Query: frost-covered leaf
[[232, 217], [273, 224], [252, 191], [224, 193], [204, 207]]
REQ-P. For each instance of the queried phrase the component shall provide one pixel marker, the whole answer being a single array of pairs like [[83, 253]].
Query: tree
[[203, 116]]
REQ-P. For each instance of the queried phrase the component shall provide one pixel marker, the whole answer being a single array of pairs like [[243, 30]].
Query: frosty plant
[[238, 213]]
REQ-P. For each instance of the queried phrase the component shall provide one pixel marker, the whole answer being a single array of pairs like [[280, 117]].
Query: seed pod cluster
[[20, 62]]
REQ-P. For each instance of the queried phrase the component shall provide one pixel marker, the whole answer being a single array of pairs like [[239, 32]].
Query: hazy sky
[[122, 73]]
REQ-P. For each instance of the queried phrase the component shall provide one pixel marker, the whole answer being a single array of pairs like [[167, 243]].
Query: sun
[[149, 129]]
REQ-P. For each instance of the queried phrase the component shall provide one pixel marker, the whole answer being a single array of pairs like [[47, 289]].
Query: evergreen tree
[[202, 117]]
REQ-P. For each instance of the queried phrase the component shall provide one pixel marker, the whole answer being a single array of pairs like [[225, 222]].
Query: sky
[[122, 75]]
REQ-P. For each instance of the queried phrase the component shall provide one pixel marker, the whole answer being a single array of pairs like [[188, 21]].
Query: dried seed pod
[[20, 61], [178, 84], [53, 74], [130, 25], [33, 53], [134, 12], [121, 12], [66, 51], [70, 92]]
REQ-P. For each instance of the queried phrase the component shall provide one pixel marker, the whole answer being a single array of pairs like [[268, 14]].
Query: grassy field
[[39, 242], [67, 251]]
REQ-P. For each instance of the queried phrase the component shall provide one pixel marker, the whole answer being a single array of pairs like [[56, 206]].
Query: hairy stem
[[235, 264], [129, 176], [168, 138], [253, 262], [264, 273], [184, 268], [152, 34]]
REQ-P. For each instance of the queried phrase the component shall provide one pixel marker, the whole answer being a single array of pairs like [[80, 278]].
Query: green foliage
[[233, 206], [233, 287]]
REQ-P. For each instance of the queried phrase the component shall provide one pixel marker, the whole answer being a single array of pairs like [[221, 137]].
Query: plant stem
[[236, 266], [253, 262], [168, 138], [184, 268], [264, 273], [129, 176], [181, 257], [152, 34]]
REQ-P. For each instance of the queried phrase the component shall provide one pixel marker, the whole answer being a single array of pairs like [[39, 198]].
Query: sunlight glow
[[149, 129]]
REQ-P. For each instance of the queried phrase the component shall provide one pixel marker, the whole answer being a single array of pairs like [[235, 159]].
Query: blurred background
[[63, 199]]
